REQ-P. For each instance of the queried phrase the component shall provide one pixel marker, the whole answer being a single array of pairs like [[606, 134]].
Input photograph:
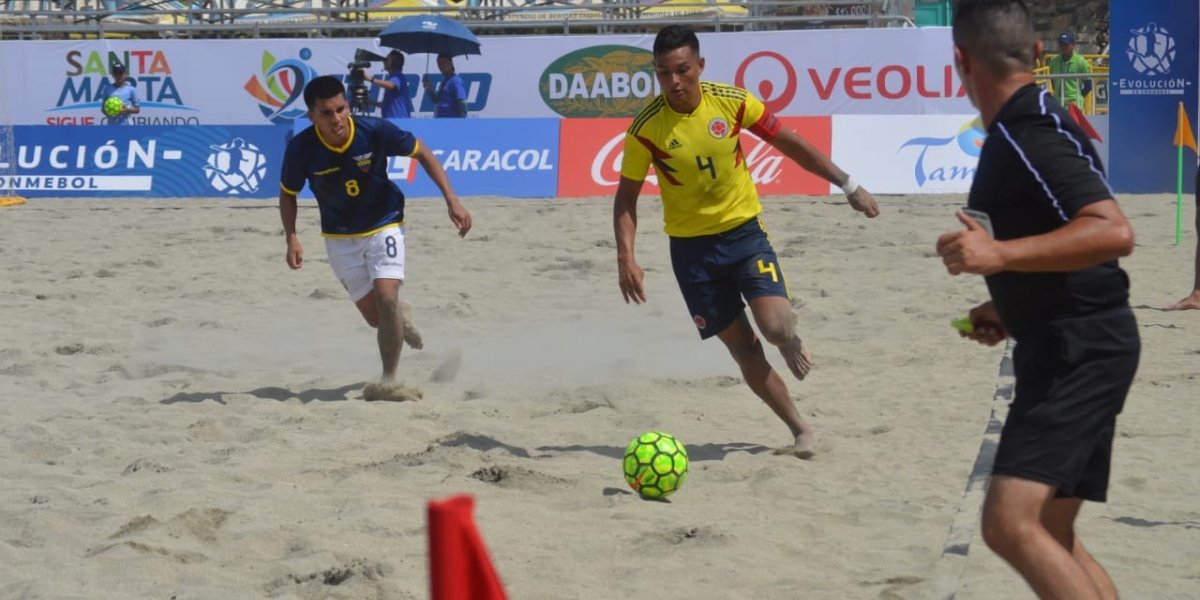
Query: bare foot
[[1192, 302], [391, 391], [412, 335], [798, 357], [803, 448]]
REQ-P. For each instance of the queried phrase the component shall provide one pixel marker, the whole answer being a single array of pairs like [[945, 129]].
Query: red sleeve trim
[[767, 126]]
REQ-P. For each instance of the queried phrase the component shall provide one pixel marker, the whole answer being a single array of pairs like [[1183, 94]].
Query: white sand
[[181, 415]]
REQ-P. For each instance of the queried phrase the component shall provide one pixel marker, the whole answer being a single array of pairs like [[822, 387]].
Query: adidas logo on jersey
[[674, 144]]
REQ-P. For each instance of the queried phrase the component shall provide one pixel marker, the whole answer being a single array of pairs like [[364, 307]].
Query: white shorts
[[359, 261]]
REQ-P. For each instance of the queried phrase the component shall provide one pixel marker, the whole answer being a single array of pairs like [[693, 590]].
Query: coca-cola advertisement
[[591, 150]]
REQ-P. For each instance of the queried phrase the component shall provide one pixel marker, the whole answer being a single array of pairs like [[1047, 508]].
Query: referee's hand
[[988, 329], [972, 251]]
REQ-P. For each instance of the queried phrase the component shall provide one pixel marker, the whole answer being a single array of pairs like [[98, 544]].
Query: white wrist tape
[[850, 186]]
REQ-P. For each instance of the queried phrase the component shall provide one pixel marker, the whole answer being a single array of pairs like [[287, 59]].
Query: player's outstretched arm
[[629, 274], [287, 215], [459, 215], [814, 161]]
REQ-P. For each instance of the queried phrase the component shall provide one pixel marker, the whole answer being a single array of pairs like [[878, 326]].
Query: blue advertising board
[[516, 158], [1155, 47], [154, 161]]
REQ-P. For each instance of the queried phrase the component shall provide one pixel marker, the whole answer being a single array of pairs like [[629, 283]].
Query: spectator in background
[[1069, 62], [397, 101], [451, 95], [123, 88]]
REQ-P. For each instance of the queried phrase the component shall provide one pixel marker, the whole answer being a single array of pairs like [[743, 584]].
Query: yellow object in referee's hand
[[964, 325]]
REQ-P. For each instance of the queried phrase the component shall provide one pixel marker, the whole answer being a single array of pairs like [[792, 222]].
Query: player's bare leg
[[381, 309], [1058, 517], [777, 322], [1013, 527], [1192, 302], [748, 352]]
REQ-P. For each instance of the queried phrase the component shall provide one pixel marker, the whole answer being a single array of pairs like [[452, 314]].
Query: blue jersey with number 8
[[354, 194]]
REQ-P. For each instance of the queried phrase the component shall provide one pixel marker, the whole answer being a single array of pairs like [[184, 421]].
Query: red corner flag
[[459, 567], [1083, 122]]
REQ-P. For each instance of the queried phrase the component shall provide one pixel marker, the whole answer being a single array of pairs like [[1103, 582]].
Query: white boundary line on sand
[[948, 572]]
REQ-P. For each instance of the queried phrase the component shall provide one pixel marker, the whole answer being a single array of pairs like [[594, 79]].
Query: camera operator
[[397, 102]]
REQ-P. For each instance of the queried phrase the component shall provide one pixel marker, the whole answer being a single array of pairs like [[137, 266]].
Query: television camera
[[359, 99]]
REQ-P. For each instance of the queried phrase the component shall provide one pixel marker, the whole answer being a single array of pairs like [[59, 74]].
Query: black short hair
[[998, 33], [397, 58], [322, 88], [673, 37]]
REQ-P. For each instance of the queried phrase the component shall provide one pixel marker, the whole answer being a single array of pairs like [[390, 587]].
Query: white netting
[[8, 145]]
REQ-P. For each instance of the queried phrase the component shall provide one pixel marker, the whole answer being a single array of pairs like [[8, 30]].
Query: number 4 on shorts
[[768, 268]]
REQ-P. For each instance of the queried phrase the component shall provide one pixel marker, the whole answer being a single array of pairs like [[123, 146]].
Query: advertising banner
[[152, 162], [909, 155], [260, 81], [516, 158], [1155, 66], [592, 151]]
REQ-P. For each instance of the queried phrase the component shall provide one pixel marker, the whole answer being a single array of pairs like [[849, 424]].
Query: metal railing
[[353, 18], [1095, 102]]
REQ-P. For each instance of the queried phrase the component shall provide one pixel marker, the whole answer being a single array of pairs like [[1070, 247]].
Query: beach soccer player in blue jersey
[[344, 161]]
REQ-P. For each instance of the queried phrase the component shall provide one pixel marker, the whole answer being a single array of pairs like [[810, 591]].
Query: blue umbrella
[[429, 34]]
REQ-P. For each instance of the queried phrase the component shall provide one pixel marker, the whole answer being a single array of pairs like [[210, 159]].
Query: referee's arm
[[1070, 182], [1096, 234]]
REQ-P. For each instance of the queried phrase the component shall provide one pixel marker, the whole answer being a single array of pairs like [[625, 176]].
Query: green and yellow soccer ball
[[113, 106], [656, 464]]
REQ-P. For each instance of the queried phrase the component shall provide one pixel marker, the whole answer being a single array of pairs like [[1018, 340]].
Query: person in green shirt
[[1069, 62]]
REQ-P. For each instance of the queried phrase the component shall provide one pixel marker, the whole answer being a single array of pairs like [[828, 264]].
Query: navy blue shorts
[[1072, 377], [716, 271]]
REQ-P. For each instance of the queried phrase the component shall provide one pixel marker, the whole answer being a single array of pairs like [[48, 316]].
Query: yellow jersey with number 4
[[705, 185]]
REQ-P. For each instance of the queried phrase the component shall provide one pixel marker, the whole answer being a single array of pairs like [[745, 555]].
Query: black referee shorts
[[1071, 381]]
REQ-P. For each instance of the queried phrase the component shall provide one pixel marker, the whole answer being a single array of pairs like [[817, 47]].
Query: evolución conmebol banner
[[1154, 67], [153, 162]]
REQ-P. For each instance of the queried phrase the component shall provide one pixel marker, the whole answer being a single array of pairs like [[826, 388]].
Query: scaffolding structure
[[202, 19]]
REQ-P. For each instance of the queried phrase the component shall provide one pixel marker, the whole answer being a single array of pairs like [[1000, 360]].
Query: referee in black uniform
[[1046, 235]]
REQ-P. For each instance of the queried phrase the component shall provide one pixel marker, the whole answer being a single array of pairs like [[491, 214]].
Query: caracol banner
[[260, 81]]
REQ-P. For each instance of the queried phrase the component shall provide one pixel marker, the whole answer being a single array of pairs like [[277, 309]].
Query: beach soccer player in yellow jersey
[[719, 249]]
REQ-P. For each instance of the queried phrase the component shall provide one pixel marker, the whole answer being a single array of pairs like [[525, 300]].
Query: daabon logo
[[599, 81]]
